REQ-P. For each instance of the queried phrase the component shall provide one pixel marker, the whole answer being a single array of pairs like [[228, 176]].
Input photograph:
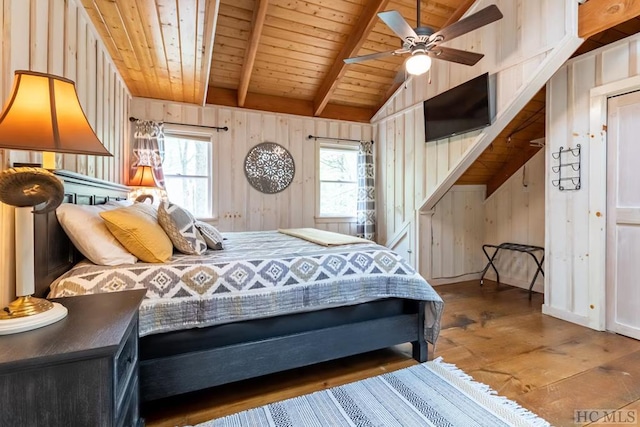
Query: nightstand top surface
[[95, 325]]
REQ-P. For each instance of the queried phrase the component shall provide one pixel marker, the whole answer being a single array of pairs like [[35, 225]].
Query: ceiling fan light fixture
[[419, 63]]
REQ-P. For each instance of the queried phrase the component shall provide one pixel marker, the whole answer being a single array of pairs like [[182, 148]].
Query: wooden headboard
[[54, 253]]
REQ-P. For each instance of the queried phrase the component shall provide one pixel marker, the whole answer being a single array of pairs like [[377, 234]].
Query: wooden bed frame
[[183, 361]]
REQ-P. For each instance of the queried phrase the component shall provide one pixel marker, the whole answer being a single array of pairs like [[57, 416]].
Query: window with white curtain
[[338, 175]]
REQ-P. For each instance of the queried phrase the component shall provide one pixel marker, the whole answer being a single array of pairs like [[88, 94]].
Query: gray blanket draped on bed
[[257, 275]]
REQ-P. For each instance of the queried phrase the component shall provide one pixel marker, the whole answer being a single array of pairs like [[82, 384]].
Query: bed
[[264, 340]]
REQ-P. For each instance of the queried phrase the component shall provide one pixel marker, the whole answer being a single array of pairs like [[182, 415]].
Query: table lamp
[[143, 179], [42, 114]]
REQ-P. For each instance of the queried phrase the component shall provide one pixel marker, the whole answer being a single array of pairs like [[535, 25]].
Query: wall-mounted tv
[[461, 109]]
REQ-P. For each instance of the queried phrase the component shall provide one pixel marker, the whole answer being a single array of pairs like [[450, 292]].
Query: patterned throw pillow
[[211, 235], [180, 226]]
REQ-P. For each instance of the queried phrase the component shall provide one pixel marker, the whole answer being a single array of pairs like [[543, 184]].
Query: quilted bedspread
[[258, 274]]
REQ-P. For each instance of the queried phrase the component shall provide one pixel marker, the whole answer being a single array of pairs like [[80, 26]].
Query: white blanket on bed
[[322, 237]]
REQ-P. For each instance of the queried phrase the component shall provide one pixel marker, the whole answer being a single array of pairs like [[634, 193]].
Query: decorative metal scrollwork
[[269, 167]]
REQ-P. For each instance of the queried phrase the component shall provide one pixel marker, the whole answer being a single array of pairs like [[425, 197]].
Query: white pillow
[[89, 233]]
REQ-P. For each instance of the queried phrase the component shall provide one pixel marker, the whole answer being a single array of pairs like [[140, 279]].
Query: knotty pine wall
[[576, 220], [463, 220], [240, 207], [57, 37], [523, 50], [515, 212], [457, 235]]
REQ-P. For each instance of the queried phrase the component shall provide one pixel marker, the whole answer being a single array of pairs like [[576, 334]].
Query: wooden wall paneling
[[447, 236], [459, 231], [283, 199], [508, 32], [478, 227], [19, 56], [557, 282], [119, 126], [309, 168], [519, 217], [90, 111], [431, 172], [238, 143], [399, 170], [615, 55], [419, 172], [82, 80], [39, 35], [442, 159], [584, 79], [455, 150], [516, 214], [381, 181], [102, 167], [408, 168], [390, 180], [56, 47], [296, 148], [243, 208], [69, 161], [437, 227], [229, 190], [253, 197]]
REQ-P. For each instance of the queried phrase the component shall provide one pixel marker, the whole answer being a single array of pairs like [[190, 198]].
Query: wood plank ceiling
[[287, 56], [275, 55]]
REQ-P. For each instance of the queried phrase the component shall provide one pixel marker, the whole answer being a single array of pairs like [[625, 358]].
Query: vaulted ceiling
[[287, 56], [275, 55]]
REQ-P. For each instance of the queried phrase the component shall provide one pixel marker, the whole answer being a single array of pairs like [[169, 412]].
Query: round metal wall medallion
[[269, 167]]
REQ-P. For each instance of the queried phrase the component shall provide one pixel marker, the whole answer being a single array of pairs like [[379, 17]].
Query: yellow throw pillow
[[137, 230]]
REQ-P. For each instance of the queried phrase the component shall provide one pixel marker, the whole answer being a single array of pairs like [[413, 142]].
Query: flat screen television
[[461, 109]]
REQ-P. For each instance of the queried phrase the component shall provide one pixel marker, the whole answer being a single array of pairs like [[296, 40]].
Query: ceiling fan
[[423, 43]]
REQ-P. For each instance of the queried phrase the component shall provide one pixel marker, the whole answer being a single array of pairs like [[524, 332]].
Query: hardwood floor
[[494, 333]]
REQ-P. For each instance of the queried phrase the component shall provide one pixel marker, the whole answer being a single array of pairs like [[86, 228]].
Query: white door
[[623, 215]]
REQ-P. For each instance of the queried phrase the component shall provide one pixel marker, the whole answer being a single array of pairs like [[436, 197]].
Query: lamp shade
[[418, 63], [43, 114], [143, 178]]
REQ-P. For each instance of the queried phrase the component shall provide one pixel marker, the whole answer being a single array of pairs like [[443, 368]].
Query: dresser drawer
[[128, 414], [126, 360]]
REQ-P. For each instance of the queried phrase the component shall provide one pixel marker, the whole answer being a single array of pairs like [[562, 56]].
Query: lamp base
[[25, 306], [37, 318]]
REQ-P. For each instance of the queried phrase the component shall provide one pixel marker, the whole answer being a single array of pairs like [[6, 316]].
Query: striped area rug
[[430, 394]]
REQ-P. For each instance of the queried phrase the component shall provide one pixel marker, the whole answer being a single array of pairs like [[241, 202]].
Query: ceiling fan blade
[[479, 19], [370, 56], [397, 23], [455, 55]]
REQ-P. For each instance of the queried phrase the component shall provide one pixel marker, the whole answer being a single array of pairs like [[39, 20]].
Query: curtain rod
[[337, 139], [217, 128]]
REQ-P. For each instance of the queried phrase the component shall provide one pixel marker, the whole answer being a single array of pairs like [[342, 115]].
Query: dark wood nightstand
[[80, 371]]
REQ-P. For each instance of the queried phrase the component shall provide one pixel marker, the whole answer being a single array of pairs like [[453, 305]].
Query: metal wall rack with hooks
[[568, 168]]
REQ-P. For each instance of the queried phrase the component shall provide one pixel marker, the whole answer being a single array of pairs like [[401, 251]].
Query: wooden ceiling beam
[[259, 16], [279, 104], [211, 9], [596, 16], [356, 39]]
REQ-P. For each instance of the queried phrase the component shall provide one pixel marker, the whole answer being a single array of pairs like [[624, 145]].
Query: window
[[338, 181], [187, 172]]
